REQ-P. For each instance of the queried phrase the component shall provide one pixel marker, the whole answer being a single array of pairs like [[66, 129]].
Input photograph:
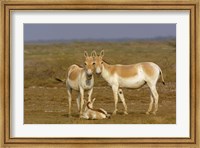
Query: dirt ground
[[45, 100], [49, 105]]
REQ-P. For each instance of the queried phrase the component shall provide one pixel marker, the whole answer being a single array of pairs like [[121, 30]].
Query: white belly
[[132, 82]]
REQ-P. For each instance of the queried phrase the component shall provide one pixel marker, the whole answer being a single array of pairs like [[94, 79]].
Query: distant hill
[[102, 40]]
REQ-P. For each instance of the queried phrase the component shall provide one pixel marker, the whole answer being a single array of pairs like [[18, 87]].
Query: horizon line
[[100, 39]]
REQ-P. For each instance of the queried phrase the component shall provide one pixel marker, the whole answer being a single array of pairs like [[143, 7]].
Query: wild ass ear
[[102, 53], [85, 54], [93, 54], [93, 100]]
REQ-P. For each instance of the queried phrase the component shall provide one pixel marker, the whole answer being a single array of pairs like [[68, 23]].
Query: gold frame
[[8, 6]]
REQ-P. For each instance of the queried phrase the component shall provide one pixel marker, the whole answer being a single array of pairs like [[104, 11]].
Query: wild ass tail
[[163, 81], [57, 79]]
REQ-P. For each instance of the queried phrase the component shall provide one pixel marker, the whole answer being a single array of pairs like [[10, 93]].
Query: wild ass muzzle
[[80, 79], [129, 76], [94, 114]]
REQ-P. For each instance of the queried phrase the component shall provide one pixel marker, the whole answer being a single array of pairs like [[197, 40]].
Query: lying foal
[[91, 113]]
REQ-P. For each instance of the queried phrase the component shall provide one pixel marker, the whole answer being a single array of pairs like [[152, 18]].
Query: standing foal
[[80, 79], [129, 76]]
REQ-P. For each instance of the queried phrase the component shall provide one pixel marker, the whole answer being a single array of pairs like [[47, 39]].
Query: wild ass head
[[98, 61], [89, 64]]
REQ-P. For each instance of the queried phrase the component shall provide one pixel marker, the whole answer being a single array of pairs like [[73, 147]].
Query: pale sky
[[46, 32]]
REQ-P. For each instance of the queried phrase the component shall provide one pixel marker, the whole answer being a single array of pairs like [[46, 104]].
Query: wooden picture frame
[[14, 5]]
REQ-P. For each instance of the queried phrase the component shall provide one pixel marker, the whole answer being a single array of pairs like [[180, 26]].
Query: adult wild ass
[[80, 79], [95, 114], [129, 76]]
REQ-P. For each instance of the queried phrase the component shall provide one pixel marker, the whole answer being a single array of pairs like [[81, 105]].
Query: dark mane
[[79, 65], [106, 62]]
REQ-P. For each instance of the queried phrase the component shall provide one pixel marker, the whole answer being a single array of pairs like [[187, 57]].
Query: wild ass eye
[[101, 62], [93, 63], [85, 63]]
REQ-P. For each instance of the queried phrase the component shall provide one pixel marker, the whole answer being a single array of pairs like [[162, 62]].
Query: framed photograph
[[99, 73]]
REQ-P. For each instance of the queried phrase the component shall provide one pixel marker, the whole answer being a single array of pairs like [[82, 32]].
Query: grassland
[[45, 99]]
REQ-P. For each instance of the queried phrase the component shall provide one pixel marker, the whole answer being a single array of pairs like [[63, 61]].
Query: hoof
[[81, 117], [154, 113], [114, 113], [125, 113], [147, 113]]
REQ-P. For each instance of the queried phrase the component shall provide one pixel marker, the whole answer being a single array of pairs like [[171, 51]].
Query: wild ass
[[80, 79], [91, 113], [129, 76]]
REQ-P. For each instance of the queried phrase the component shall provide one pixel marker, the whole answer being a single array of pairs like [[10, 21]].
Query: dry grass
[[45, 99]]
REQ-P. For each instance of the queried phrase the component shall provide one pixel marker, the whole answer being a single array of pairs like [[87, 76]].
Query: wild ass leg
[[69, 91], [115, 93], [82, 100], [150, 104], [90, 94], [78, 102], [156, 97], [121, 96]]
